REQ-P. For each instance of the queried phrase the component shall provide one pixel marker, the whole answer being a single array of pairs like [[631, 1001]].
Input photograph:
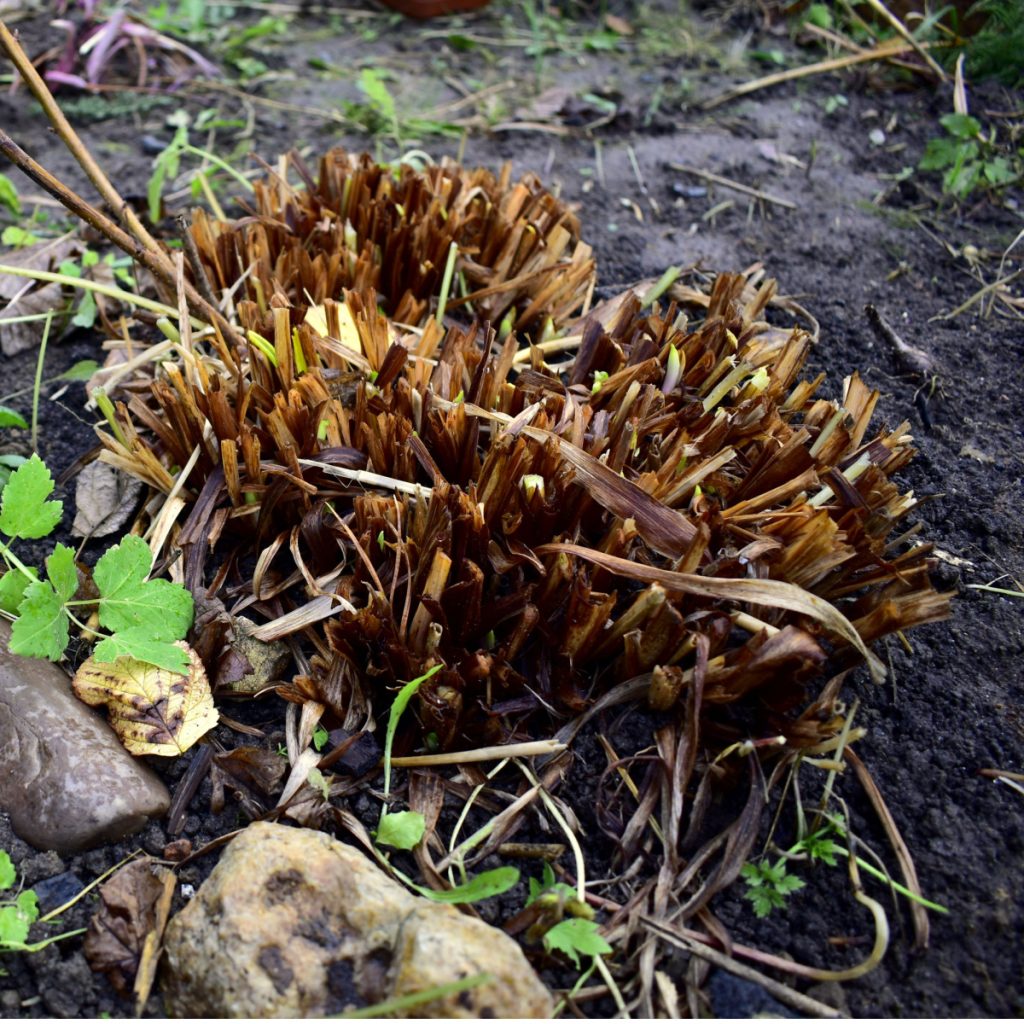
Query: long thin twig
[[902, 29], [804, 1004], [884, 51], [736, 186]]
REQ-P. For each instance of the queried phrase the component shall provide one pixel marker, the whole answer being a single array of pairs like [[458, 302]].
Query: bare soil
[[953, 703]]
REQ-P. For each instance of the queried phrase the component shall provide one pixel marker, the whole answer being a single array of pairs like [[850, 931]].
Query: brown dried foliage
[[548, 531]]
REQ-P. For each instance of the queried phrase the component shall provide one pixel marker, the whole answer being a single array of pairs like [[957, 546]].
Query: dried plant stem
[[574, 843], [70, 138], [898, 25], [804, 1004], [736, 186], [536, 748], [153, 260], [884, 51]]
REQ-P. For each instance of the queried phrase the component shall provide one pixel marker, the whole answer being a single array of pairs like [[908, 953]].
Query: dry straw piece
[[672, 500]]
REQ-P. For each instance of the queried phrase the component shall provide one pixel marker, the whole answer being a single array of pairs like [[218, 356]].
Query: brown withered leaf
[[252, 773], [153, 711], [105, 499], [126, 915]]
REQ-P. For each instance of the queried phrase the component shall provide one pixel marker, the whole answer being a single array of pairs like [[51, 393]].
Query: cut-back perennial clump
[[434, 452]]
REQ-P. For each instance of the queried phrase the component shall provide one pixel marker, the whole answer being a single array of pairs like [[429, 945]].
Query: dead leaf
[[252, 773], [21, 296], [105, 499], [127, 914], [151, 946], [152, 710], [618, 25], [969, 451]]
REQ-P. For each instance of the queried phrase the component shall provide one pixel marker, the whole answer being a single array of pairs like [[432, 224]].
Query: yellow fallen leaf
[[153, 711], [348, 333]]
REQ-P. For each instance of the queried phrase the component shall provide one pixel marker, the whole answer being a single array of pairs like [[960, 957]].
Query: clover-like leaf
[[24, 509], [129, 602], [152, 710]]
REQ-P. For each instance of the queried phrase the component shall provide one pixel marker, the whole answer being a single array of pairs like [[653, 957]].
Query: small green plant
[[380, 114], [9, 195], [969, 158], [167, 164], [143, 617], [403, 830], [17, 915], [574, 932], [768, 885], [119, 266]]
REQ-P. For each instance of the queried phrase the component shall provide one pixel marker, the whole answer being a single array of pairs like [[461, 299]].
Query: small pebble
[[689, 191]]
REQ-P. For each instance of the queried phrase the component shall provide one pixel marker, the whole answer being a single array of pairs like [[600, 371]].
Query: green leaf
[[999, 172], [17, 237], [819, 15], [9, 195], [961, 126], [480, 887], [131, 604], [320, 737], [7, 872], [574, 936], [402, 830], [10, 418], [788, 884], [62, 572], [28, 903], [41, 629], [24, 510], [938, 154], [87, 311], [82, 370], [14, 926], [12, 590], [139, 644], [401, 702]]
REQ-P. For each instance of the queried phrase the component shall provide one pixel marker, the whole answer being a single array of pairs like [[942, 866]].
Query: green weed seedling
[[17, 915], [403, 830], [143, 617], [970, 159], [577, 934], [768, 885]]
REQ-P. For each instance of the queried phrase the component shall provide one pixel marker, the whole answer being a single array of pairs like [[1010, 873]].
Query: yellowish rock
[[294, 923]]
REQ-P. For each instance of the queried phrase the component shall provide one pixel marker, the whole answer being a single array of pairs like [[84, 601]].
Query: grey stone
[[65, 780], [294, 923]]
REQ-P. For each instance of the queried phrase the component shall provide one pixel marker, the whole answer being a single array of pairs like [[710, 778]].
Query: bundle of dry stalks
[[671, 500]]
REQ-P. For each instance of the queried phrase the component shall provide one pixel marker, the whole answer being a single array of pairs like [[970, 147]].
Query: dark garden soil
[[952, 705]]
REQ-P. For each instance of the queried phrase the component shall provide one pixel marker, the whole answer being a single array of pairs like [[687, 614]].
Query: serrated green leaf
[[480, 887], [131, 604], [24, 510], [939, 154], [788, 884], [575, 936], [12, 590], [962, 126], [41, 629], [14, 926], [403, 830], [62, 572], [7, 872], [12, 418], [999, 172], [140, 645]]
